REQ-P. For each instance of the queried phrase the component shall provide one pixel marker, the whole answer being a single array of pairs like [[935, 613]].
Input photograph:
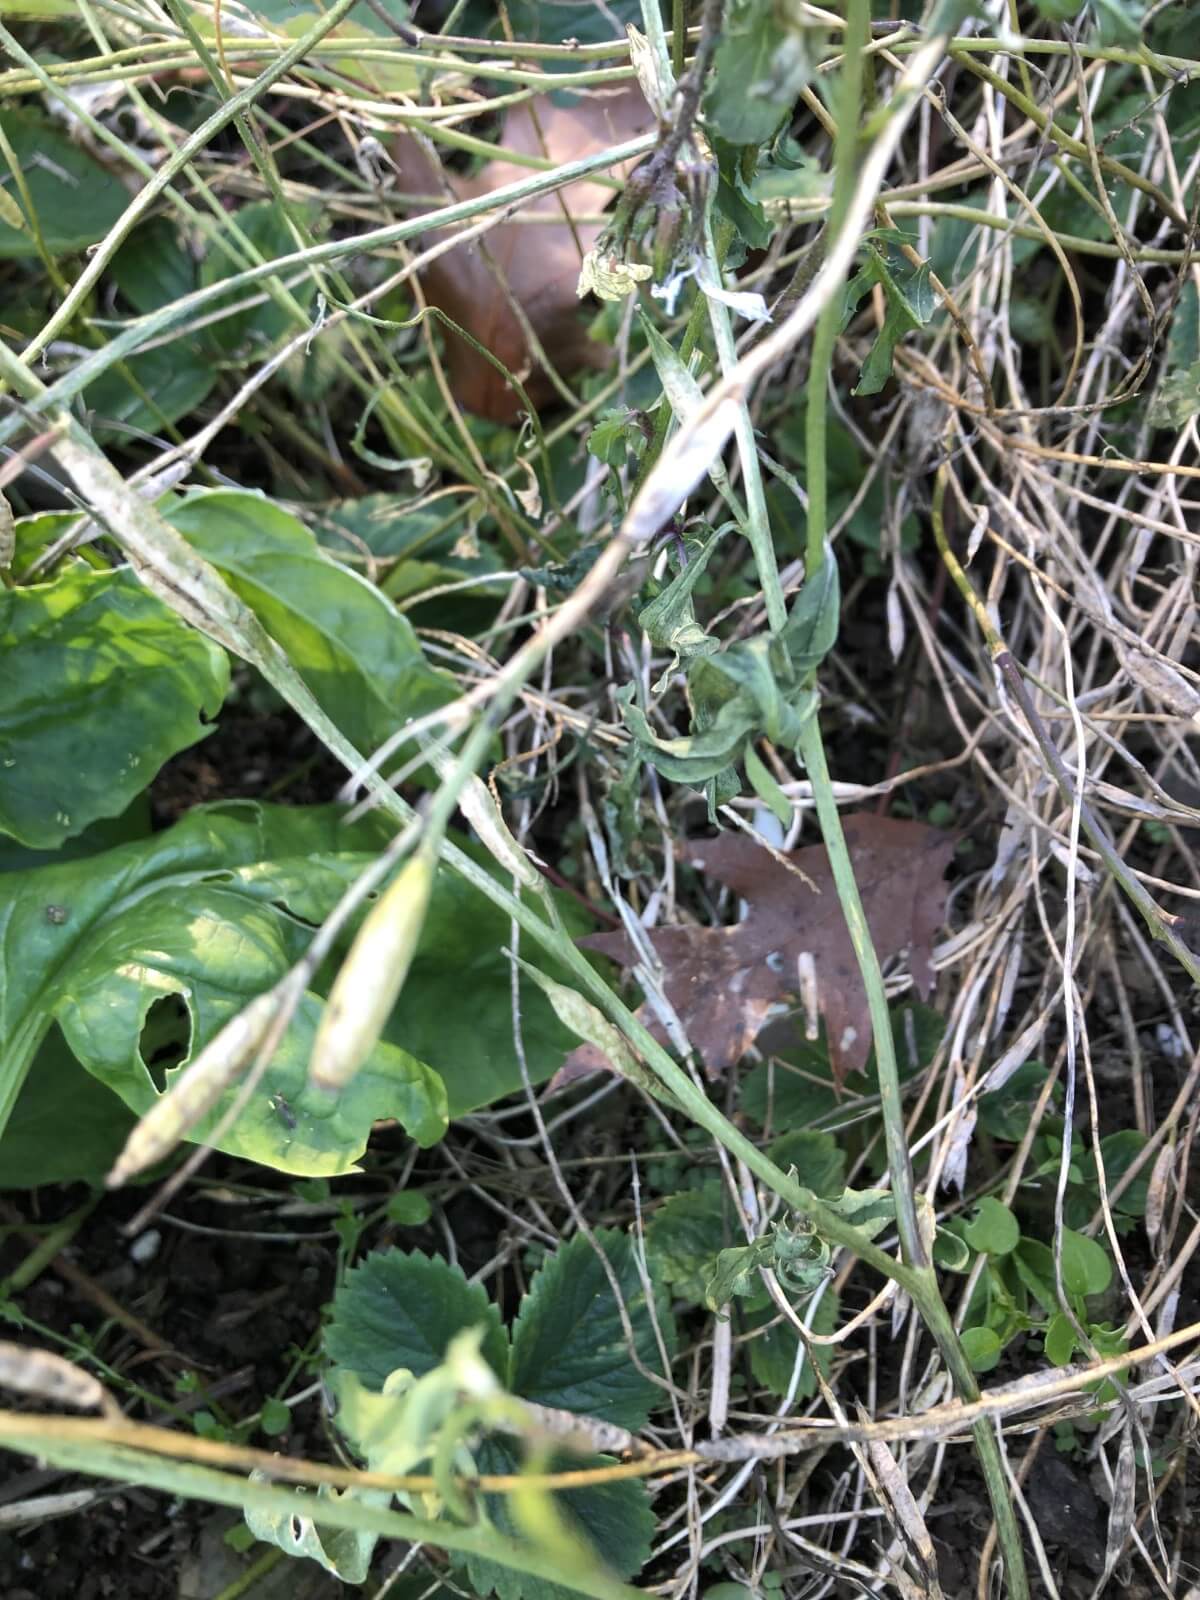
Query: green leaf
[[275, 1418], [615, 437], [1176, 399], [949, 1251], [187, 926], [250, 333], [355, 651], [1086, 1267], [684, 1237], [982, 1347], [764, 59], [152, 268], [735, 1272], [100, 683], [1119, 22], [910, 304], [614, 1519], [41, 1145], [775, 1344], [762, 781], [409, 1209], [670, 618], [737, 201], [812, 625], [149, 391], [568, 1341], [817, 1157], [992, 1230], [75, 199], [343, 1551], [397, 1310], [1059, 1341]]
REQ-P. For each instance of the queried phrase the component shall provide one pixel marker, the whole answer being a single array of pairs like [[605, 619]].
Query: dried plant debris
[[724, 983], [536, 264]]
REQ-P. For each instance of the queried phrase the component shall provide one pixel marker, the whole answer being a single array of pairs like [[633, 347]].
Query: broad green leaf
[[1086, 1266], [1119, 22], [992, 1230], [41, 1144], [361, 658], [737, 201], [100, 683], [75, 199], [765, 57], [456, 1008], [568, 1342], [249, 334], [775, 1344], [616, 436], [949, 1250], [982, 1347], [1034, 1263], [153, 267], [345, 1552], [149, 391], [185, 928], [684, 1237], [1059, 1341], [398, 1310], [698, 756], [614, 1519]]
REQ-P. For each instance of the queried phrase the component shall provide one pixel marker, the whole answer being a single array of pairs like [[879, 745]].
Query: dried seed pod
[[196, 1091], [50, 1377], [371, 977], [481, 811]]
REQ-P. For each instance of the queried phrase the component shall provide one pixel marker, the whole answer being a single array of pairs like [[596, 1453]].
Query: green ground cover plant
[[599, 780]]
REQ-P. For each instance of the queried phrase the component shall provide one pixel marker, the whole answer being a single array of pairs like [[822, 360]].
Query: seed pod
[[50, 1377], [372, 975], [481, 811], [196, 1091], [588, 1023]]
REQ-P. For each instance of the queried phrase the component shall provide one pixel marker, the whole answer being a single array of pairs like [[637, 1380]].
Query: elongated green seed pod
[[371, 977], [197, 1089]]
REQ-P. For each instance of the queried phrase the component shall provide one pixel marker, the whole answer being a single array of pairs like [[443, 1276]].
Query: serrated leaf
[[684, 1236], [909, 299], [397, 1310], [735, 1272], [568, 1342], [765, 57], [775, 1345], [613, 1519], [203, 917], [819, 1160], [100, 683]]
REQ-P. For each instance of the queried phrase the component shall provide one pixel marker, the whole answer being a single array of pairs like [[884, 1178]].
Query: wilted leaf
[[539, 262], [725, 982]]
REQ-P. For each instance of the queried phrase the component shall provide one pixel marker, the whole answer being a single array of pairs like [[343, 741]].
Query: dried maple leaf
[[539, 262], [724, 982]]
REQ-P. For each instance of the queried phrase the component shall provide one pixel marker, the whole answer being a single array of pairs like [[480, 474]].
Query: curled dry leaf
[[724, 983], [537, 264]]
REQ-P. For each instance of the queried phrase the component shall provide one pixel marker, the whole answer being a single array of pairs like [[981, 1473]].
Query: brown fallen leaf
[[538, 261], [724, 982]]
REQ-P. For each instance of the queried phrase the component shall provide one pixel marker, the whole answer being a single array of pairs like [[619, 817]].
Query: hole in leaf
[[166, 1035]]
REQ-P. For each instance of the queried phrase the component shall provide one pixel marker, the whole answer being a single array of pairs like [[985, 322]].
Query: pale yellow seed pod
[[590, 1024], [196, 1091], [50, 1377], [371, 977], [481, 811]]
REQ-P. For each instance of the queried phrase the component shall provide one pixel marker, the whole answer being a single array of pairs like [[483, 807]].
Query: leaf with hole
[[155, 945]]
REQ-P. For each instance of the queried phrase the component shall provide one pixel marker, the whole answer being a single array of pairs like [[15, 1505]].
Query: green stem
[[849, 99]]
